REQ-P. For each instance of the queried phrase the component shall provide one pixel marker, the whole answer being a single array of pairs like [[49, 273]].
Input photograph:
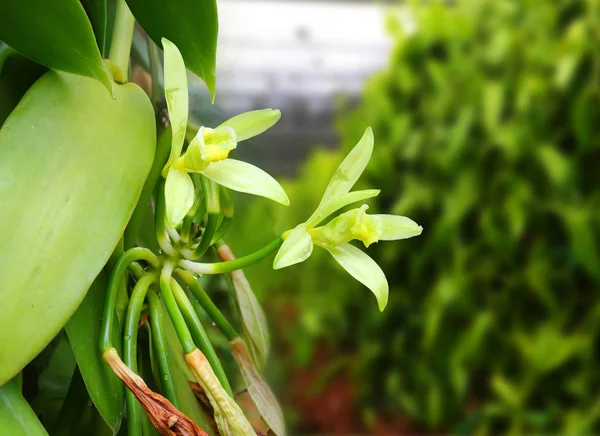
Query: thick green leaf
[[55, 34], [93, 154], [96, 11], [190, 24], [16, 417], [83, 331]]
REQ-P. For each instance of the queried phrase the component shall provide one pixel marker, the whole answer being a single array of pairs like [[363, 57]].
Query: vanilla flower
[[355, 224], [208, 152]]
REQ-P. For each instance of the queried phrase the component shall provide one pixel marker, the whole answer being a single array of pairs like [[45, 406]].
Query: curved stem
[[232, 265], [207, 304], [163, 148], [161, 349], [199, 334], [120, 46], [119, 270], [181, 328], [134, 410]]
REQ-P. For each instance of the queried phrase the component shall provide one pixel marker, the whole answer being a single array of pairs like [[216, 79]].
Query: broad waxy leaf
[[252, 123], [364, 269], [296, 248], [191, 25], [16, 417], [97, 13], [93, 153], [244, 177], [83, 331], [55, 34]]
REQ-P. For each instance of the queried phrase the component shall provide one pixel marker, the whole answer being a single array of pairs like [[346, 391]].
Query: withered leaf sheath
[[167, 419]]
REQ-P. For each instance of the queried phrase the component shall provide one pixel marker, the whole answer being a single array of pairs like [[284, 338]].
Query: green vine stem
[[118, 272], [207, 304], [161, 350], [122, 37], [134, 410], [183, 333], [232, 265], [199, 334]]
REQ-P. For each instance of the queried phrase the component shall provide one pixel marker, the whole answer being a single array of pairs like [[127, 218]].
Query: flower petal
[[324, 210], [398, 227], [176, 92], [179, 196], [244, 177], [296, 248], [364, 269], [350, 169], [252, 123]]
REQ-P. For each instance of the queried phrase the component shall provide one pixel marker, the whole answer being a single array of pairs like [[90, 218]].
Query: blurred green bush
[[487, 129]]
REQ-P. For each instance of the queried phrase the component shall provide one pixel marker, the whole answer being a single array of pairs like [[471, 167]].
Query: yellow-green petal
[[398, 227], [350, 169], [244, 177], [176, 93], [179, 196], [296, 248], [364, 269], [252, 123]]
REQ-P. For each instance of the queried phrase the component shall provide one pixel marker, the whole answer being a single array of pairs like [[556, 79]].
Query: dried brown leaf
[[167, 419]]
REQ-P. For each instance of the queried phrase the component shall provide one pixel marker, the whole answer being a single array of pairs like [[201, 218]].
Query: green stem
[[118, 271], [161, 349], [207, 304], [163, 148], [73, 406], [122, 37], [134, 410], [232, 265], [181, 328], [199, 334]]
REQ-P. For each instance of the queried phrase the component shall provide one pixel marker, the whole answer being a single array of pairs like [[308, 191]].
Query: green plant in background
[[488, 132], [115, 208]]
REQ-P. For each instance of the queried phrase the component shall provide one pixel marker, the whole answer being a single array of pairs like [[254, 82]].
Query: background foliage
[[487, 134]]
